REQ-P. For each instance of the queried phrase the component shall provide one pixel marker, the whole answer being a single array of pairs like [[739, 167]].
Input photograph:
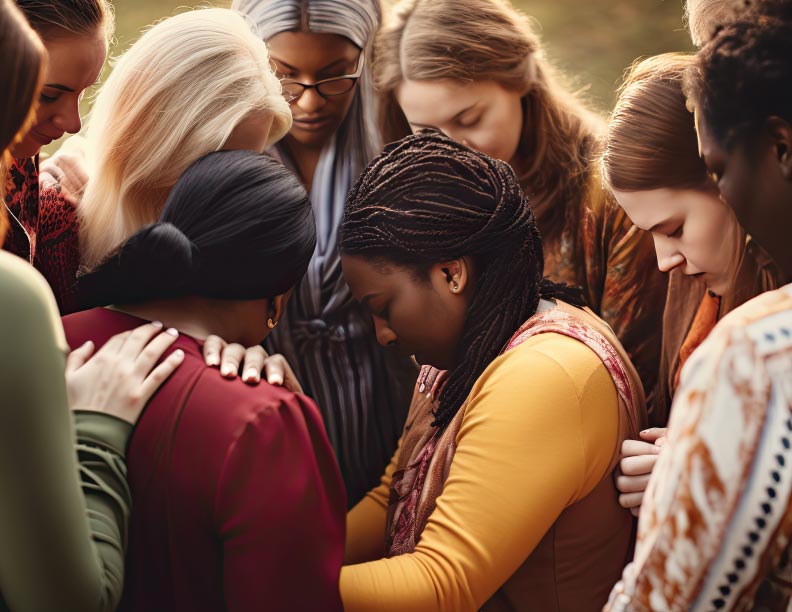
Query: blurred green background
[[592, 41]]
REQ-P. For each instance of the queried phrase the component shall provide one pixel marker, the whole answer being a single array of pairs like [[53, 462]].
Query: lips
[[312, 124]]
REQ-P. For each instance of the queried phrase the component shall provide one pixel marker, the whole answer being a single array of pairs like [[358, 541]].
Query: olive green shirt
[[63, 514]]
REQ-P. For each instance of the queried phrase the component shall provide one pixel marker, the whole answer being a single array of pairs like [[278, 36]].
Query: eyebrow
[[59, 86], [343, 60], [455, 117]]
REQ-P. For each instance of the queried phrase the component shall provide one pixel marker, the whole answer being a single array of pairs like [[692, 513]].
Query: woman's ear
[[780, 133], [277, 306], [456, 274]]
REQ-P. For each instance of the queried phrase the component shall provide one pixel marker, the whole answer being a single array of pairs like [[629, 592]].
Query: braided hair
[[428, 199]]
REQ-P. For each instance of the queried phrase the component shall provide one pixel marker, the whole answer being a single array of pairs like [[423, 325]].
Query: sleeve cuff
[[100, 429]]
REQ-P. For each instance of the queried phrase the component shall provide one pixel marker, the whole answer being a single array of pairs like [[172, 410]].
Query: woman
[[501, 493], [322, 50], [714, 530], [651, 161], [63, 547], [475, 70], [148, 125], [258, 513], [75, 35]]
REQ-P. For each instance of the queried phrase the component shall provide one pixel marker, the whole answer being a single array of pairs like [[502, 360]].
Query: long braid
[[428, 199]]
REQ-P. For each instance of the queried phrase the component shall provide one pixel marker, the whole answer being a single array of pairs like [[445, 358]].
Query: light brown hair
[[489, 40], [21, 72], [69, 17], [651, 141]]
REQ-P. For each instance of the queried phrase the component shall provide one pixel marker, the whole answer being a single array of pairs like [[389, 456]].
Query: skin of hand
[[123, 375], [253, 362], [638, 458], [67, 170]]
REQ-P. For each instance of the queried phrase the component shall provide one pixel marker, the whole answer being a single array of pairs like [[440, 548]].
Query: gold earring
[[271, 324]]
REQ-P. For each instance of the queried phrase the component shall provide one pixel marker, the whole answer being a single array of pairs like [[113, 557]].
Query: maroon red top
[[238, 502]]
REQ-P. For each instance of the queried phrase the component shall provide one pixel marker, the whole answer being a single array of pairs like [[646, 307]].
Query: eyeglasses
[[326, 87]]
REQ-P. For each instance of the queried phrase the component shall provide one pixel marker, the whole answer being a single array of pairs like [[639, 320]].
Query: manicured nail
[[172, 331], [213, 360], [275, 380], [251, 375], [157, 323], [227, 370]]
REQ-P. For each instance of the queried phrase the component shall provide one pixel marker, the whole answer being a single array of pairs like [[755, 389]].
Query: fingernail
[[157, 323], [87, 344], [251, 374], [275, 380], [213, 360], [422, 388], [172, 331], [227, 370], [179, 354]]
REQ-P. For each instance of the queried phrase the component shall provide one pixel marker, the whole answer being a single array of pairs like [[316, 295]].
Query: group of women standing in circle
[[351, 194]]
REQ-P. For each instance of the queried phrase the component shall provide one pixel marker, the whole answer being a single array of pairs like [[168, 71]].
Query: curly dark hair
[[428, 199], [744, 74]]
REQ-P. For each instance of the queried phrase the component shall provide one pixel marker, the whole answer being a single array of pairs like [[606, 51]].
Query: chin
[[310, 138], [25, 149]]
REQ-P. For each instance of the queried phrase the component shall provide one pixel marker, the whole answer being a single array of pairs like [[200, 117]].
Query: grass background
[[592, 41]]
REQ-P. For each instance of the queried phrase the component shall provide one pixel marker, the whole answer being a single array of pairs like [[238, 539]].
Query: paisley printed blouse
[[717, 516]]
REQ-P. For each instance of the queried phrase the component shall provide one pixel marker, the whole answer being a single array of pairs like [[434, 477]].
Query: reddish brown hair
[[651, 141]]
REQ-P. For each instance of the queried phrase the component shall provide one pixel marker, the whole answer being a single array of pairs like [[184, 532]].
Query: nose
[[385, 335], [668, 257], [310, 101], [68, 118]]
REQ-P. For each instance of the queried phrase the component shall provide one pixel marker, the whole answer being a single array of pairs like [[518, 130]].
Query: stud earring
[[272, 324], [454, 286]]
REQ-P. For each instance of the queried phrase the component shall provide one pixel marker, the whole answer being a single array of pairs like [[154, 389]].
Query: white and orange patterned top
[[716, 520]]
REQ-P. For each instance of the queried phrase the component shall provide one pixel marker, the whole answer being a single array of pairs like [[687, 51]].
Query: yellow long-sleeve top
[[529, 509]]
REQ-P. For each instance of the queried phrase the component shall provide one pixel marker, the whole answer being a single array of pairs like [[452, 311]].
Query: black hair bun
[[159, 260]]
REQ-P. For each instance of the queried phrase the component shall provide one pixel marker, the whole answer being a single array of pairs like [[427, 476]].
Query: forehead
[[708, 147], [311, 51], [365, 276], [75, 61], [434, 101]]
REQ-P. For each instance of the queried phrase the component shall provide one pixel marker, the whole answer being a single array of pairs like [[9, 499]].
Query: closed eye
[[469, 122], [676, 233]]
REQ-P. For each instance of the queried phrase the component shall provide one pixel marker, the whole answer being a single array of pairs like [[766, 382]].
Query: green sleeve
[[62, 525]]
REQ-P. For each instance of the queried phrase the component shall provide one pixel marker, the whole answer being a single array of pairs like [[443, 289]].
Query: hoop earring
[[272, 324]]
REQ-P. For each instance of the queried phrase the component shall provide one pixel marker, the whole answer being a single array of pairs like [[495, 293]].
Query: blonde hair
[[21, 73], [176, 95], [489, 40]]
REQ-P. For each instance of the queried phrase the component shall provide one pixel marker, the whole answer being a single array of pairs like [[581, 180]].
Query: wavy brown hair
[[489, 40], [21, 72]]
